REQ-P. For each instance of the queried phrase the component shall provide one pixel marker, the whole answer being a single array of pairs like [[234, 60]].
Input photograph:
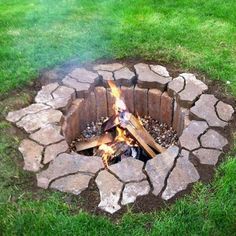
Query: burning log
[[94, 142]]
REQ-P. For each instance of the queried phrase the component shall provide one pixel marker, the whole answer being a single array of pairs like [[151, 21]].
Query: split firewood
[[140, 140], [133, 125], [94, 142], [141, 131]]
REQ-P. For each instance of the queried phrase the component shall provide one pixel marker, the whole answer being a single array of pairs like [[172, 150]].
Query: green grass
[[38, 34]]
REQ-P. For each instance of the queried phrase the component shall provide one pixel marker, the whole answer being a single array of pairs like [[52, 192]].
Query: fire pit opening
[[112, 123]]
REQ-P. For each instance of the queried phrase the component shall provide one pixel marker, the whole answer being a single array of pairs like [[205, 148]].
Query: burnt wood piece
[[140, 140], [94, 142], [134, 126], [112, 122], [118, 149]]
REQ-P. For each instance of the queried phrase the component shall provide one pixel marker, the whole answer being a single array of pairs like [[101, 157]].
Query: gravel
[[163, 135]]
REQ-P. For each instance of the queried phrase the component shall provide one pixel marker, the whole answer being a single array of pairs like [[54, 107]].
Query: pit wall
[[143, 102]]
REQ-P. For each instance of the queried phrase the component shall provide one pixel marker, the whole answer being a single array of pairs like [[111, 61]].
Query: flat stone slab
[[72, 183], [124, 77], [35, 121], [207, 156], [159, 167], [45, 94], [149, 79], [62, 97], [106, 75], [183, 174], [128, 169], [224, 111], [32, 154], [110, 189], [190, 135], [192, 90], [66, 164], [175, 86], [204, 109], [84, 76], [80, 88], [212, 139], [47, 135], [160, 70], [15, 116], [52, 151], [109, 67], [134, 190]]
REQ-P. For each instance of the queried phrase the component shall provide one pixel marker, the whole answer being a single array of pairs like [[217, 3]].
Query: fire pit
[[128, 97]]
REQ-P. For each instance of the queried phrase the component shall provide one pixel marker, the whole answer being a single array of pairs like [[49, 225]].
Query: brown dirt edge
[[88, 200]]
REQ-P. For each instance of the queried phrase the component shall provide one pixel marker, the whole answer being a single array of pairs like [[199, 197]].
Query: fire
[[119, 103], [121, 135], [107, 153]]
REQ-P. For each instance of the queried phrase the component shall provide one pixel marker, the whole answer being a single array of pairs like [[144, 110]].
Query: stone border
[[180, 102]]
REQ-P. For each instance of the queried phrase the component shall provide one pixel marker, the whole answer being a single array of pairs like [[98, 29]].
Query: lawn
[[195, 35]]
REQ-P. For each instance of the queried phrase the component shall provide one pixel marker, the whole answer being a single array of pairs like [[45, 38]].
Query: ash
[[161, 132]]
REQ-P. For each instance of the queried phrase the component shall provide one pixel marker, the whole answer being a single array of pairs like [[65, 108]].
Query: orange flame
[[119, 102]]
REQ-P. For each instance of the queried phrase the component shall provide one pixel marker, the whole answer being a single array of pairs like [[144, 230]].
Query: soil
[[89, 199]]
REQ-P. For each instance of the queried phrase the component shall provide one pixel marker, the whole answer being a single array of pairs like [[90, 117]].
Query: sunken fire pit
[[62, 111]]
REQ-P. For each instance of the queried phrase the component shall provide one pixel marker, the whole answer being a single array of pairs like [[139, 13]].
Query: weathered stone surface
[[207, 156], [224, 111], [110, 103], [15, 116], [82, 89], [106, 75], [212, 139], [33, 122], [89, 108], [181, 176], [193, 88], [189, 137], [159, 167], [128, 169], [149, 79], [32, 154], [84, 76], [52, 151], [108, 67], [166, 109], [62, 97], [128, 96], [73, 122], [204, 109], [176, 117], [124, 77], [72, 183], [45, 94], [101, 102], [66, 164], [184, 120], [180, 118], [141, 101], [175, 86], [110, 190], [154, 103], [133, 190], [47, 135], [161, 70]]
